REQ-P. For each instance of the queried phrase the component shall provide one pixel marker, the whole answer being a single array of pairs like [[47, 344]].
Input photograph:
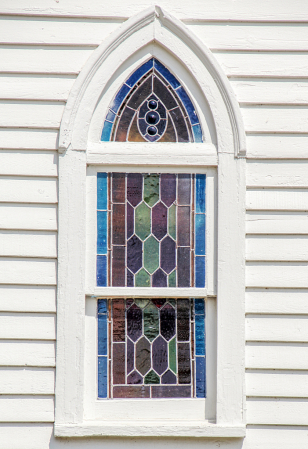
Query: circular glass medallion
[[152, 117], [152, 104], [152, 130]]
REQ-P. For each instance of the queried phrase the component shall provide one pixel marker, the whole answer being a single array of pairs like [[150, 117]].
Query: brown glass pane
[[142, 92], [118, 187], [134, 134], [134, 322], [183, 266], [184, 373], [183, 318], [167, 254], [159, 220], [167, 322], [118, 224], [168, 188], [179, 124], [143, 355], [160, 355], [123, 125], [131, 391], [134, 378], [130, 217], [118, 266], [183, 226], [174, 391], [118, 319], [169, 135], [184, 189], [130, 355], [164, 94], [134, 188], [118, 363]]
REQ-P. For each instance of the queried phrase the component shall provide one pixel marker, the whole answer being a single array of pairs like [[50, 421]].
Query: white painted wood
[[28, 190], [35, 87], [36, 381], [27, 326], [43, 59], [28, 244], [276, 248], [277, 146], [271, 91], [26, 408], [258, 222], [274, 199], [279, 301], [289, 119], [33, 436], [276, 174], [31, 114], [276, 437], [269, 355], [27, 353], [277, 411], [27, 216], [27, 299], [41, 139], [265, 64], [265, 383], [277, 328], [28, 163], [277, 275], [28, 271]]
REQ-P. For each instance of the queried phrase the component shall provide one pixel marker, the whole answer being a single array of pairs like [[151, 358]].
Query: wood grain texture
[[36, 381], [27, 353], [26, 408], [28, 139], [28, 190], [266, 383], [274, 199], [276, 301], [28, 217], [277, 274], [277, 146], [277, 411], [270, 355], [276, 248], [259, 222], [27, 299], [277, 328], [28, 271], [28, 244]]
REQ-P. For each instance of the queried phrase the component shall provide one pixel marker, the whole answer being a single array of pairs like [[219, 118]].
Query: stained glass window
[[151, 348], [151, 230], [152, 105]]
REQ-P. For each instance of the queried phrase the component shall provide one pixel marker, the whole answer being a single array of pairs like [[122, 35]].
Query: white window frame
[[80, 148]]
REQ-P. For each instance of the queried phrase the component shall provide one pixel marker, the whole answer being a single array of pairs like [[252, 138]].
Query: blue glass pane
[[200, 193], [200, 334], [188, 105], [102, 377], [102, 334], [199, 307], [200, 377], [102, 306], [200, 271], [197, 133], [101, 271], [166, 74], [106, 133], [119, 98], [200, 234], [102, 191], [139, 73], [110, 116], [102, 232]]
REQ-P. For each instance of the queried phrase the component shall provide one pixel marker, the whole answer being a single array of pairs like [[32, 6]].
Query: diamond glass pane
[[151, 230], [151, 348]]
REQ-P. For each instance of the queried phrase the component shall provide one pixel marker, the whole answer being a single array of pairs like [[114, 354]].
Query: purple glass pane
[[184, 371], [130, 355], [167, 254], [183, 226], [158, 302], [134, 254], [184, 186], [168, 188], [134, 188], [168, 378], [159, 220], [159, 279], [167, 322], [166, 391], [134, 322], [134, 378], [183, 319], [183, 266], [129, 220], [131, 391], [160, 355], [129, 278]]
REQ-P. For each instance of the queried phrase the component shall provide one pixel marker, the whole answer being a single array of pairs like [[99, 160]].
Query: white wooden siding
[[263, 48]]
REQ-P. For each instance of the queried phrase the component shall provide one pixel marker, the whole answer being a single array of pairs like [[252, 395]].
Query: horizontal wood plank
[[28, 244], [25, 139], [28, 190], [27, 353], [31, 114], [269, 355], [33, 436], [277, 411], [27, 299], [26, 408], [277, 274], [28, 163], [36, 381], [43, 59], [283, 384], [277, 328], [276, 174], [283, 199], [277, 248], [277, 146], [276, 437], [28, 271], [276, 222], [27, 216], [276, 301], [27, 326]]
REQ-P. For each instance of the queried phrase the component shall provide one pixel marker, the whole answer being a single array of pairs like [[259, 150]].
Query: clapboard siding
[[277, 274], [293, 384], [277, 328], [27, 353], [276, 301], [37, 381], [31, 114], [275, 355], [27, 326], [277, 146], [28, 244], [26, 408], [277, 199], [276, 437], [269, 222], [28, 216], [27, 299], [277, 248], [32, 436], [276, 174], [29, 139], [279, 411], [28, 163], [28, 190], [28, 271]]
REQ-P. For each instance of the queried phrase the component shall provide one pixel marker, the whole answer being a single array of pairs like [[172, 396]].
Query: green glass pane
[[141, 303], [172, 355], [152, 378], [151, 189], [172, 301], [151, 321], [172, 280], [142, 279], [143, 221], [172, 221], [151, 254]]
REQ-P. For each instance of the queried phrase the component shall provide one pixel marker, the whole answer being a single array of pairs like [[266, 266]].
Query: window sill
[[145, 429]]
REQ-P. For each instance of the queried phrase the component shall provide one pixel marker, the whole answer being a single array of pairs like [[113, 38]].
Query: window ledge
[[173, 429]]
